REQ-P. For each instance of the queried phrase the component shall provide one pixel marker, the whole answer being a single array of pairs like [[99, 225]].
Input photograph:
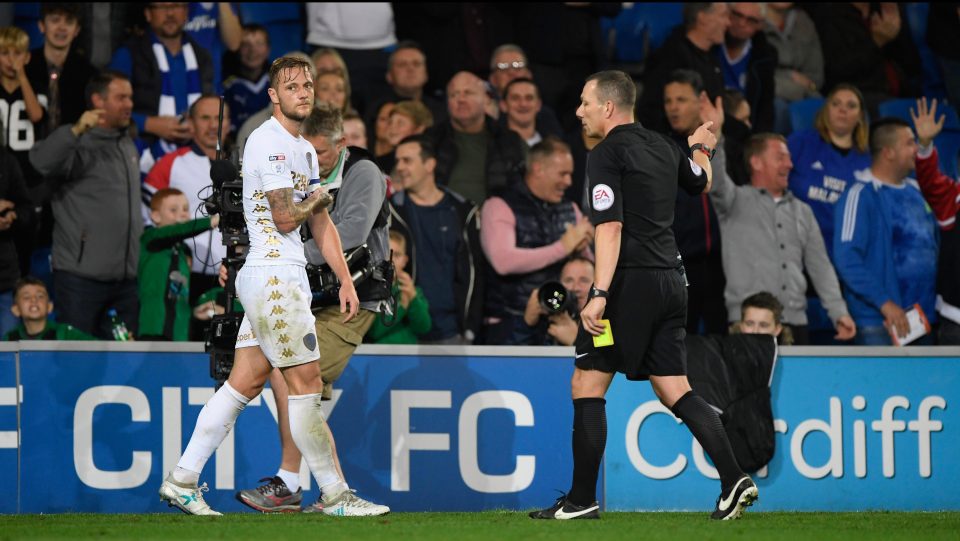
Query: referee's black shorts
[[647, 309]]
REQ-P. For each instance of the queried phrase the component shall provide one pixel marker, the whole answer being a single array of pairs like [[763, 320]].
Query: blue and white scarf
[[168, 103]]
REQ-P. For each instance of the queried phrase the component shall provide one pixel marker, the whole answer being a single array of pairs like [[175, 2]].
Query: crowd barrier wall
[[94, 427]]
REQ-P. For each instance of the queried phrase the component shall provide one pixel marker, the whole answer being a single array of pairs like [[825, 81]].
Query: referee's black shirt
[[633, 176]]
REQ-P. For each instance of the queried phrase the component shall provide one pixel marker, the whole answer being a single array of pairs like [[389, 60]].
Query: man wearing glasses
[[508, 63], [749, 62], [168, 71]]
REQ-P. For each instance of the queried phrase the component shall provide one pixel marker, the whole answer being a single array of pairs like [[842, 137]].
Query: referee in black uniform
[[640, 287]]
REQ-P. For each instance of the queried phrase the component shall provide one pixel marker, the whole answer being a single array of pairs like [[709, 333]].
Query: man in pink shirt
[[527, 232]]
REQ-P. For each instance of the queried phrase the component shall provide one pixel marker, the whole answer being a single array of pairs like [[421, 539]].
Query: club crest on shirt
[[602, 197]]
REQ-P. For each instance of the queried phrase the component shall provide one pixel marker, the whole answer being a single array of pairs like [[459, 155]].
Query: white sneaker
[[348, 504], [185, 498]]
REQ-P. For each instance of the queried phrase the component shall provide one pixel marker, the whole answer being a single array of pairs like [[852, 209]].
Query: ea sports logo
[[602, 197]]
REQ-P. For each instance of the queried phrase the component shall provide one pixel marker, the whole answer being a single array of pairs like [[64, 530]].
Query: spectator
[[31, 303], [943, 194], [521, 106], [749, 61], [21, 125], [827, 157], [688, 47], [561, 327], [412, 317], [943, 27], [331, 87], [406, 118], [508, 63], [165, 267], [475, 156], [246, 91], [442, 232], [381, 142], [886, 246], [695, 224], [216, 28], [96, 208], [188, 170], [407, 76], [773, 239], [355, 130], [16, 209], [168, 71], [361, 33], [23, 111], [527, 232], [762, 313], [455, 36], [799, 71], [869, 46], [56, 70]]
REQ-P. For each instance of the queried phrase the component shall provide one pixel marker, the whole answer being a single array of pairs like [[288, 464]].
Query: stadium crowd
[[835, 190]]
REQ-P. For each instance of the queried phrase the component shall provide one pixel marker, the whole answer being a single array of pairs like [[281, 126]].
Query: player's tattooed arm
[[288, 215]]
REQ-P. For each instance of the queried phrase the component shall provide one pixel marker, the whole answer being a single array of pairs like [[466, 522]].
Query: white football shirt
[[274, 159]]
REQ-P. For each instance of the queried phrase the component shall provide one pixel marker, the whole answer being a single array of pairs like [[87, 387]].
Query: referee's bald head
[[617, 87]]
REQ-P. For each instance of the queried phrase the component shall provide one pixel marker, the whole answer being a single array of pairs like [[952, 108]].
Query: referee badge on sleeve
[[602, 197]]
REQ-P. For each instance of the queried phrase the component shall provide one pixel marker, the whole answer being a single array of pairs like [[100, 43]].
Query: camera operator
[[558, 319], [360, 215]]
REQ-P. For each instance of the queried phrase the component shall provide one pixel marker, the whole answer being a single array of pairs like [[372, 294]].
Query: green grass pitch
[[486, 526]]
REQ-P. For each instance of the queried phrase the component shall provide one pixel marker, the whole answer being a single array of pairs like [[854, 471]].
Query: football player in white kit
[[278, 165]]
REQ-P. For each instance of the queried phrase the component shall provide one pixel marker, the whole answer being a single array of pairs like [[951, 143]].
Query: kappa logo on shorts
[[602, 197]]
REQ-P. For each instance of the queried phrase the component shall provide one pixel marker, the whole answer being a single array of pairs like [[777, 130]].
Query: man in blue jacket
[[885, 246]]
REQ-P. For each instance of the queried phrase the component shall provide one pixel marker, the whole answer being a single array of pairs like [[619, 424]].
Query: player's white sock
[[310, 434], [215, 421], [291, 479]]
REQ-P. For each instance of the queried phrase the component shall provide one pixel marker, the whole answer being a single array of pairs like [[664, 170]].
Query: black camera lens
[[553, 297]]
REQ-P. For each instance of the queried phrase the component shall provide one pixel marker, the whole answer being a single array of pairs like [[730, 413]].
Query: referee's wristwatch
[[594, 293], [705, 149]]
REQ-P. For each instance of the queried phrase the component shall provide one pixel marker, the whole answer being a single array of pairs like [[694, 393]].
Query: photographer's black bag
[[733, 373]]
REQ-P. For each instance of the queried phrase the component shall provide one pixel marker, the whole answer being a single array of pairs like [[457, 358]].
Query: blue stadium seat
[[900, 108], [917, 20], [25, 16], [641, 28], [948, 146], [283, 20], [803, 113]]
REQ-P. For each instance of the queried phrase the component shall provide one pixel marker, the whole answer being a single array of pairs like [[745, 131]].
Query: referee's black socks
[[704, 423], [589, 440]]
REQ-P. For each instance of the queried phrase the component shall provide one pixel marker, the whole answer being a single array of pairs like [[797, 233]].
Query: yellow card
[[605, 339]]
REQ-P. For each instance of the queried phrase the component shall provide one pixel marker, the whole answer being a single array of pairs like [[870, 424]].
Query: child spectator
[[31, 303], [412, 317], [246, 89], [165, 266], [762, 313]]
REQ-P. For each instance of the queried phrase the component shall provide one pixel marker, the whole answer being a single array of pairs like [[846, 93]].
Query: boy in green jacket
[[412, 318], [164, 272], [31, 303]]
